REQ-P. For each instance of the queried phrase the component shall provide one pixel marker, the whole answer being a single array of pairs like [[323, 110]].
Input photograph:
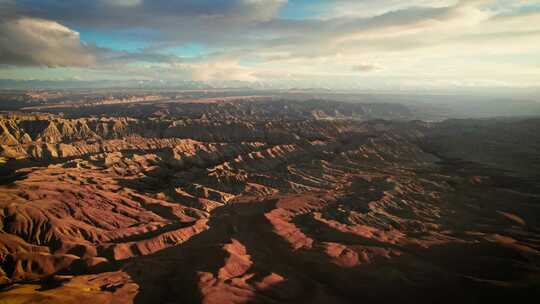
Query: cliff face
[[260, 207], [227, 121], [61, 138]]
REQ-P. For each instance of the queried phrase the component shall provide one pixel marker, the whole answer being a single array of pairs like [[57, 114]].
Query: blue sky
[[111, 39], [303, 9], [362, 44]]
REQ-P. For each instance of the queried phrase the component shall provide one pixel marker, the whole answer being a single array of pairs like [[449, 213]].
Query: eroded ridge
[[311, 210]]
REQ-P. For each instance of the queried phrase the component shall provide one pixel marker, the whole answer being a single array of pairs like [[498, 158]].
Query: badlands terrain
[[257, 199]]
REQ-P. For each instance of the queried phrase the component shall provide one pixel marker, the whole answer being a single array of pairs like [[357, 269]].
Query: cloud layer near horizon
[[320, 43]]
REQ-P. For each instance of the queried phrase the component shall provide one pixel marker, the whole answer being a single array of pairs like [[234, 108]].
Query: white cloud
[[367, 67], [31, 41], [217, 70]]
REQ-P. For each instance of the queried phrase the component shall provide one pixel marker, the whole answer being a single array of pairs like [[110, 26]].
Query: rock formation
[[267, 203]]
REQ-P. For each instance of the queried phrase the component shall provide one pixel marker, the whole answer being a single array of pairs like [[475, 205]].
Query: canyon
[[266, 200]]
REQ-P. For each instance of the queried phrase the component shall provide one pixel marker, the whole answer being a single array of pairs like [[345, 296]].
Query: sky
[[338, 44]]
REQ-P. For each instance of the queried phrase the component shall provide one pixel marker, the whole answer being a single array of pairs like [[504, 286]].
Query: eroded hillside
[[229, 203]]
